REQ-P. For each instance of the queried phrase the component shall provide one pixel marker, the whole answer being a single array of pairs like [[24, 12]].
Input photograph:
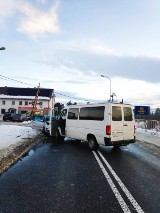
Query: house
[[21, 100]]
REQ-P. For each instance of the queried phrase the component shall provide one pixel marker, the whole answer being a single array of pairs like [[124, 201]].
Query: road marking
[[123, 187], [112, 185]]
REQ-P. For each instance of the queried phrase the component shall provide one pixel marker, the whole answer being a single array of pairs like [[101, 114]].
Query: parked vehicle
[[38, 118], [28, 117], [46, 119], [7, 116], [19, 117], [109, 124]]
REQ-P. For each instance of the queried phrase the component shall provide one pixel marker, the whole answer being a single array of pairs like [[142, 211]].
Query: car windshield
[[17, 115]]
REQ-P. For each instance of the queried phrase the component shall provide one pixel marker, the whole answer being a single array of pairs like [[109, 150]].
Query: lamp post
[[2, 48], [104, 76]]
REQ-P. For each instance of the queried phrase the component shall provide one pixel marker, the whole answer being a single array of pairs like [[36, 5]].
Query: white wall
[[8, 104]]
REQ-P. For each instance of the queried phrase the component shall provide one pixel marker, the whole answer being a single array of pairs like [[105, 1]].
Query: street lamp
[[104, 76], [2, 48]]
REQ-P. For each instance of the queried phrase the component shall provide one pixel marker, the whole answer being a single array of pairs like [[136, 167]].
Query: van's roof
[[97, 104]]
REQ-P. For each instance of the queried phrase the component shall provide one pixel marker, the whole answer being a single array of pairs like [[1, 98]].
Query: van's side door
[[72, 123]]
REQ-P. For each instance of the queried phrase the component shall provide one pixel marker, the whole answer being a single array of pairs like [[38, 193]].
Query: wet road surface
[[68, 177]]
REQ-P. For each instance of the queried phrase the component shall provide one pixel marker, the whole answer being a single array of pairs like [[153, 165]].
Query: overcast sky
[[67, 44]]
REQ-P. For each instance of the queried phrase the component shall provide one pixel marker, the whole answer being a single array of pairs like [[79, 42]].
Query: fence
[[149, 124]]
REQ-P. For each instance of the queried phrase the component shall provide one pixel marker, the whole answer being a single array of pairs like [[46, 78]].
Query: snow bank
[[12, 135]]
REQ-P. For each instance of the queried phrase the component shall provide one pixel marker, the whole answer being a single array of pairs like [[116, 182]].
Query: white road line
[[123, 187], [112, 185]]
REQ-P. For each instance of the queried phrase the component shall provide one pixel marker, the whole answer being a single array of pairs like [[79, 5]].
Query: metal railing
[[149, 124]]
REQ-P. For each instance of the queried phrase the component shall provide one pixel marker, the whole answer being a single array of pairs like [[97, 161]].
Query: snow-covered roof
[[18, 91]]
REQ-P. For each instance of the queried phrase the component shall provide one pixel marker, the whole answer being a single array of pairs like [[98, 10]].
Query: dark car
[[8, 116], [19, 117]]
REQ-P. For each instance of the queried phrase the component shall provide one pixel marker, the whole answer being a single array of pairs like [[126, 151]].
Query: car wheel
[[44, 131], [92, 143]]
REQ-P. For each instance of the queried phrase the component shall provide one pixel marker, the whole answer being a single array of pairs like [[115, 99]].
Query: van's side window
[[92, 113], [116, 113], [128, 114], [73, 113]]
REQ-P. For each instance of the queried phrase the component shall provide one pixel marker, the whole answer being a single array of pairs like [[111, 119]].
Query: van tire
[[116, 146], [92, 143]]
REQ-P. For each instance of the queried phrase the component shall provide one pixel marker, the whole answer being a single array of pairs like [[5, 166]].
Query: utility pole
[[35, 102]]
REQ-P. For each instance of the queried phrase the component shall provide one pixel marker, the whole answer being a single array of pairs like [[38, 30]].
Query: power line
[[73, 97], [11, 79]]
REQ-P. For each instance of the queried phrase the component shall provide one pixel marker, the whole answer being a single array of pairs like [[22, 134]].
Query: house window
[[40, 103], [26, 103], [13, 102], [3, 111], [3, 102], [20, 103]]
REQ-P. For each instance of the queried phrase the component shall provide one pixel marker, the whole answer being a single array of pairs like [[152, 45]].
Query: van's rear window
[[127, 114], [92, 113], [116, 113]]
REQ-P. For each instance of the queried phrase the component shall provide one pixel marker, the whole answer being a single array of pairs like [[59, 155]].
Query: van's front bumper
[[108, 142]]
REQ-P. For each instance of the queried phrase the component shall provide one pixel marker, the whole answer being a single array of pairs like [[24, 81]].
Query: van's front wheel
[[92, 143]]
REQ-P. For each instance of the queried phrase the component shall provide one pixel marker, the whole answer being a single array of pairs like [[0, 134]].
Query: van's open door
[[50, 121], [53, 123]]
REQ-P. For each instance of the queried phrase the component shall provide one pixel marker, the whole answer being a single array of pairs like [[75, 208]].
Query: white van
[[109, 124]]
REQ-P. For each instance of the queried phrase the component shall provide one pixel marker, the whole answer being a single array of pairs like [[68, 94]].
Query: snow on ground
[[149, 136], [148, 132], [12, 135]]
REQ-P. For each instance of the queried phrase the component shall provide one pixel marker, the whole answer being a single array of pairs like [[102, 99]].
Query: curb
[[22, 149], [150, 143]]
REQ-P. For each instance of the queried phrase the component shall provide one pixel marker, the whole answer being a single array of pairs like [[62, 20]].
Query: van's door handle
[[125, 125]]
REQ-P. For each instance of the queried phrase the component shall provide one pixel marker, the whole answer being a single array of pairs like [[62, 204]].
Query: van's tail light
[[134, 129], [108, 130]]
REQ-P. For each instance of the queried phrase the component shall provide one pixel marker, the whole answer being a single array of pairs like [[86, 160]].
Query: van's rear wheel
[[92, 143]]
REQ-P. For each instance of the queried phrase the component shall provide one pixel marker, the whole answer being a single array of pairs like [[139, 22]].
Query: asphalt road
[[68, 177]]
